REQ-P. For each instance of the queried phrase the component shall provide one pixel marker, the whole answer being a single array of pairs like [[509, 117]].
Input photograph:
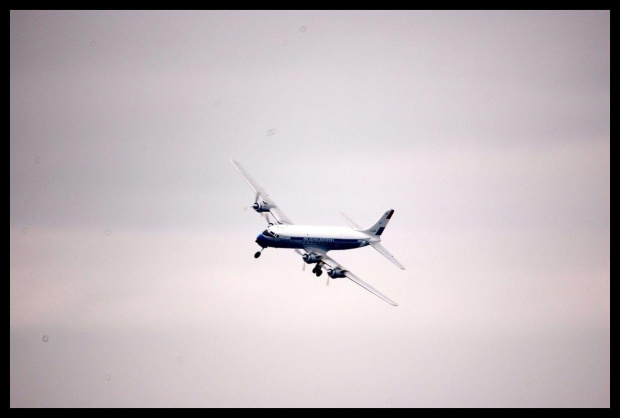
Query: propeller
[[321, 265], [255, 202]]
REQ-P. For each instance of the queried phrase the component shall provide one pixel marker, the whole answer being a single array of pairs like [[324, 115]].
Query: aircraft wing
[[331, 263], [275, 211], [368, 287]]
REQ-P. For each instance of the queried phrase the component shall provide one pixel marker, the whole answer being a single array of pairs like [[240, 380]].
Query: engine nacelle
[[261, 207], [335, 273], [311, 258]]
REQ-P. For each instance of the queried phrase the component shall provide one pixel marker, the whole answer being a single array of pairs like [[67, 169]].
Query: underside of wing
[[280, 217], [368, 287], [330, 263], [263, 197]]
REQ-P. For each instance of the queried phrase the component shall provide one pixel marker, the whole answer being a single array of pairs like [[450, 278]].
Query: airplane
[[313, 242]]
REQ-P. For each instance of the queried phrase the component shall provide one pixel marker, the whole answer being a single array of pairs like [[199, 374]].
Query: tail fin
[[377, 229]]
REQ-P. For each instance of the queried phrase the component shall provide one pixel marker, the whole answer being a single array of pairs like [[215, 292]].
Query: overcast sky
[[132, 281]]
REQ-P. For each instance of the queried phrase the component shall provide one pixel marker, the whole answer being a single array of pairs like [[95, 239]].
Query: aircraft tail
[[377, 229]]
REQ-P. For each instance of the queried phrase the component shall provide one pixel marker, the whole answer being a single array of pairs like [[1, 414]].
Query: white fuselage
[[326, 238]]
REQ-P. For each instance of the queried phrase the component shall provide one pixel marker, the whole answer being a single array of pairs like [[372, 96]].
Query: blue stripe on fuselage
[[302, 242]]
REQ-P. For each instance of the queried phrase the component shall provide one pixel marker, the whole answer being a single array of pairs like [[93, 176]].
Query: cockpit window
[[268, 233]]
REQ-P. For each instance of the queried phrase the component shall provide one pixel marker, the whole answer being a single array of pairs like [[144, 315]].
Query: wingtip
[[236, 165], [388, 300]]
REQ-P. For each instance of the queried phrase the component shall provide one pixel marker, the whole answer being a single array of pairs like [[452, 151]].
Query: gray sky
[[132, 276]]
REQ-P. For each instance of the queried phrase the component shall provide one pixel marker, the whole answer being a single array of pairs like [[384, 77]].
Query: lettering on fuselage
[[308, 239]]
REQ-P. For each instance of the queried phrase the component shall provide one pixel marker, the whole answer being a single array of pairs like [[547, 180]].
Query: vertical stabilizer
[[377, 229]]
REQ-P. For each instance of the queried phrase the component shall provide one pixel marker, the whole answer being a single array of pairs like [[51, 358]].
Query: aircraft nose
[[260, 239]]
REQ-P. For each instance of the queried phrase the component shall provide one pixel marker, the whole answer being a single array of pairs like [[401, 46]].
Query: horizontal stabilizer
[[377, 246], [350, 221]]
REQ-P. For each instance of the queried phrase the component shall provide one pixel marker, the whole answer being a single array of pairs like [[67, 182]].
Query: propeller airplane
[[313, 242]]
